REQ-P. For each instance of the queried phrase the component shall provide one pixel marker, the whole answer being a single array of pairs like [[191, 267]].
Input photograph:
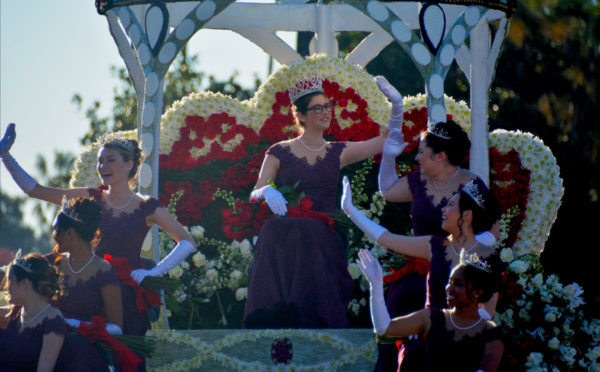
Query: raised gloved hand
[[177, 255], [370, 228], [393, 146], [274, 199], [395, 98], [8, 139], [374, 274], [23, 180]]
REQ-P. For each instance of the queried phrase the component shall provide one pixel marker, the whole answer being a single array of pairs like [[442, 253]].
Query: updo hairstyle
[[136, 154], [484, 216], [86, 221], [43, 276], [301, 104], [456, 147], [487, 281]]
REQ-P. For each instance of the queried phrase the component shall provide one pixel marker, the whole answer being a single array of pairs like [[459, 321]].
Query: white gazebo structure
[[149, 35]]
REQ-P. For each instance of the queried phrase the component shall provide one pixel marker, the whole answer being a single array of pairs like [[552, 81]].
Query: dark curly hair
[[137, 155], [487, 281], [43, 276], [485, 215], [88, 214], [456, 147]]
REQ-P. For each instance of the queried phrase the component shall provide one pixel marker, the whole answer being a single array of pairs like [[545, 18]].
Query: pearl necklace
[[122, 206], [309, 149], [464, 328], [82, 268], [444, 182], [23, 321]]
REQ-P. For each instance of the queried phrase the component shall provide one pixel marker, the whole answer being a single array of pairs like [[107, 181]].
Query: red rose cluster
[[509, 182]]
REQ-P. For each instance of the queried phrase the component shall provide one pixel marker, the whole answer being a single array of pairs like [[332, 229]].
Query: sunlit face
[[312, 118], [17, 291], [59, 237], [451, 214], [456, 289], [111, 167], [425, 157]]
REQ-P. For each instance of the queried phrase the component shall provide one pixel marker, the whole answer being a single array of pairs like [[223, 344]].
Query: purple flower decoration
[[282, 350]]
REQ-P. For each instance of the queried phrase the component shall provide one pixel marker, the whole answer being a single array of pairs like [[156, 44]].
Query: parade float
[[204, 153]]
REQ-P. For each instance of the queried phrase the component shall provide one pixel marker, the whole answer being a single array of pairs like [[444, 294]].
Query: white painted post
[[480, 48]]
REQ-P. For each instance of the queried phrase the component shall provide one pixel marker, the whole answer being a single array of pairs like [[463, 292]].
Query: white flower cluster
[[562, 318], [460, 111], [546, 187], [217, 351]]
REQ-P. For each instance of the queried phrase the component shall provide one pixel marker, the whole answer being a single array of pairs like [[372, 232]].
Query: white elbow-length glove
[[23, 180], [370, 228], [395, 98], [393, 146], [111, 328], [274, 199], [177, 255], [374, 274]]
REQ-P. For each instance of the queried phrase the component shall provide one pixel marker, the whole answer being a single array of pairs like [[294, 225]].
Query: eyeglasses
[[318, 109]]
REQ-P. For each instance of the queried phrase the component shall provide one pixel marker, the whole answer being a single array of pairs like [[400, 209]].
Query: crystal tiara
[[474, 260], [439, 132], [473, 192], [68, 210], [119, 141], [302, 88]]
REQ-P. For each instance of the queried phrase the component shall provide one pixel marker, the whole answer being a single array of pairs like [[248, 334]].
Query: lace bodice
[[122, 234], [319, 181]]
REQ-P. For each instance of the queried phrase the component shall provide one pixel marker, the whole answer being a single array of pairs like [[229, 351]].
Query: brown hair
[[43, 276]]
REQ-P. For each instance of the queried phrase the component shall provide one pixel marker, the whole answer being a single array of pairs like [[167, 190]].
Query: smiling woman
[[126, 215]]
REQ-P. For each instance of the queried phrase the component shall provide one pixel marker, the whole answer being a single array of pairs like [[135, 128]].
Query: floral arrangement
[[350, 352], [210, 154], [545, 320]]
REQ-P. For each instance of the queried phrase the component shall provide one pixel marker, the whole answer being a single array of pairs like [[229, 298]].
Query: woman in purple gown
[[299, 277], [33, 334], [457, 338], [126, 215], [89, 287], [428, 189]]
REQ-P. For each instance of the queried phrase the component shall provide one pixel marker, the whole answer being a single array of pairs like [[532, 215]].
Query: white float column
[[480, 50]]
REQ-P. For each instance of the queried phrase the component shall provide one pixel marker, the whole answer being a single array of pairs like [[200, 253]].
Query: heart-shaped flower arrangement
[[212, 146]]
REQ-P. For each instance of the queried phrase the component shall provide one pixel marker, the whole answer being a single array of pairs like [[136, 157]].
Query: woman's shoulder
[[148, 203], [466, 175]]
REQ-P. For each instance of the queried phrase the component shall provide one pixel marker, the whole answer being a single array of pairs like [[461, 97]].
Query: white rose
[[197, 231], [199, 259], [235, 275], [241, 293], [354, 270], [518, 267], [184, 265], [212, 274], [553, 343], [550, 317], [506, 255], [176, 272]]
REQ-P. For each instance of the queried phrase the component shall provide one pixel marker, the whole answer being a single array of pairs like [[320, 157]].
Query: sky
[[51, 50]]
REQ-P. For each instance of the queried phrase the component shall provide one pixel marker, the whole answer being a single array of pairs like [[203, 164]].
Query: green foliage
[[14, 233]]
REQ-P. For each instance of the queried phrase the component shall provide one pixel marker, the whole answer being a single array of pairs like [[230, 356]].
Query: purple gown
[[445, 351], [20, 349], [299, 277], [123, 236], [408, 294], [81, 296]]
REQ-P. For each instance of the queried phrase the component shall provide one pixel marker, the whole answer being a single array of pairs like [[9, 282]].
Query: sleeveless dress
[[20, 349], [123, 236], [451, 349], [299, 277], [409, 293]]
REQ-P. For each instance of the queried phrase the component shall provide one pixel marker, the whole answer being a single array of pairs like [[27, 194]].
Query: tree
[[182, 79], [14, 233]]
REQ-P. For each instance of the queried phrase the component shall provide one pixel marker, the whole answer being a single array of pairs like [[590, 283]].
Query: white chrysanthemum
[[354, 270]]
